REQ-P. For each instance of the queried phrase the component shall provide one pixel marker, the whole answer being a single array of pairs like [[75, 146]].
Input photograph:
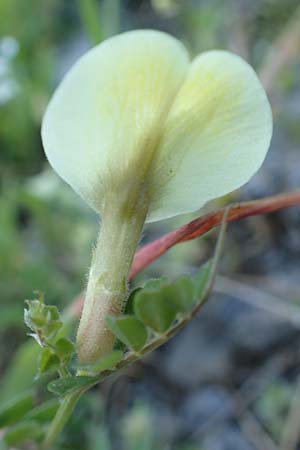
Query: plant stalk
[[107, 284], [61, 418]]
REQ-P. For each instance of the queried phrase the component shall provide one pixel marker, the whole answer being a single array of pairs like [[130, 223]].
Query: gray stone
[[236, 321], [259, 332], [229, 438], [206, 405], [167, 424], [198, 355]]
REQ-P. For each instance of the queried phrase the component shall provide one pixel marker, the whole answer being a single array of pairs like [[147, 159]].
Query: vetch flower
[[143, 134]]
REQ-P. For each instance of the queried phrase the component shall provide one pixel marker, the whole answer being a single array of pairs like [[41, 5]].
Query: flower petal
[[109, 106], [216, 135]]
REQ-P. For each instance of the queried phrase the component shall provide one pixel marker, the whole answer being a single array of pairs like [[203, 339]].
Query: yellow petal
[[216, 135], [101, 125]]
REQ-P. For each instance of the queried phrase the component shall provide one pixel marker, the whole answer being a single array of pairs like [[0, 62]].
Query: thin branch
[[255, 433], [262, 377], [198, 227], [258, 298], [251, 389], [62, 416]]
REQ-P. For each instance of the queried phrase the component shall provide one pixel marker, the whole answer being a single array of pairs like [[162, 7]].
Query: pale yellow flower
[[143, 133], [135, 106]]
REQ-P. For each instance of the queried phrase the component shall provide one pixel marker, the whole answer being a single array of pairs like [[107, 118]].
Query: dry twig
[[290, 436], [258, 298]]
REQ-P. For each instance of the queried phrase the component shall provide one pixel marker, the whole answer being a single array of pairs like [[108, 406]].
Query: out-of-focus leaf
[[129, 330], [23, 432], [15, 409], [90, 15], [19, 376], [10, 316], [43, 413], [63, 386], [110, 15]]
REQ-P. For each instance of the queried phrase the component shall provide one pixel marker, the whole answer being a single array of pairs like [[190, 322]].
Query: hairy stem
[[69, 402], [107, 284]]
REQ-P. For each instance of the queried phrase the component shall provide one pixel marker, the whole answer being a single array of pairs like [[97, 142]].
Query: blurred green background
[[47, 232]]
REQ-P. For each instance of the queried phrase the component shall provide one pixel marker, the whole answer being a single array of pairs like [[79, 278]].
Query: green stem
[[70, 401], [110, 15], [154, 344], [61, 418], [107, 284], [90, 16]]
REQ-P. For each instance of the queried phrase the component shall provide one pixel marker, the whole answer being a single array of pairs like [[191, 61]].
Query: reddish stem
[[198, 227], [150, 252]]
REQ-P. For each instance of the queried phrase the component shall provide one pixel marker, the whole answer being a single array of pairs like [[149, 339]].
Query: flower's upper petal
[[106, 110], [216, 135]]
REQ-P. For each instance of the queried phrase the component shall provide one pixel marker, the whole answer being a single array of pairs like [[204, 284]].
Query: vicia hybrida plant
[[142, 134]]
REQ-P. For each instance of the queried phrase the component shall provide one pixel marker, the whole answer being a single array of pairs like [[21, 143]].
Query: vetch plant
[[143, 134], [154, 313], [138, 117]]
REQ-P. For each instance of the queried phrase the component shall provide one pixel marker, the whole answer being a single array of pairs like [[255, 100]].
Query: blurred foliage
[[30, 32], [46, 232], [273, 406]]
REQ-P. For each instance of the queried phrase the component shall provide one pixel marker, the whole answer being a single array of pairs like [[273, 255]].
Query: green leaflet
[[155, 309], [65, 349], [162, 301], [129, 330], [158, 305], [48, 361], [48, 330], [44, 320], [63, 386], [181, 293], [107, 362]]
